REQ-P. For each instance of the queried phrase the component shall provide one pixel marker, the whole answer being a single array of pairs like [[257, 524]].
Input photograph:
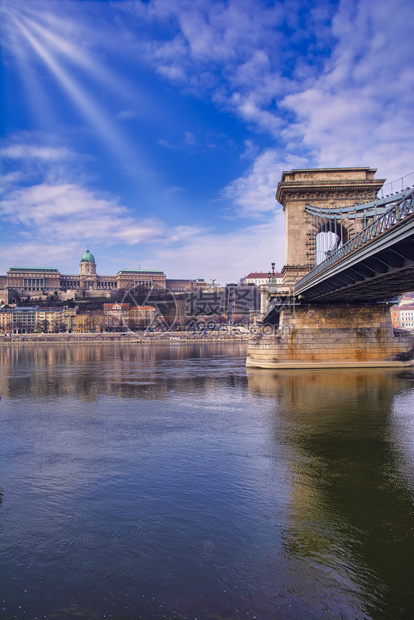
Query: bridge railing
[[395, 214]]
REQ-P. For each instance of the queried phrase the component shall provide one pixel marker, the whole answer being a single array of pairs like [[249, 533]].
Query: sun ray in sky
[[105, 127], [41, 109], [95, 69]]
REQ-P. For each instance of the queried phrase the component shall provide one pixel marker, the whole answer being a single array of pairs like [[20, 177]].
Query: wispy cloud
[[166, 144], [42, 253], [71, 216], [189, 138], [226, 255], [67, 211], [359, 110], [173, 190], [253, 194], [332, 83], [29, 151], [126, 114]]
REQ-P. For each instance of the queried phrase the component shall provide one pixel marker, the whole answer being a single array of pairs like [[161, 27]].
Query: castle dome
[[87, 257]]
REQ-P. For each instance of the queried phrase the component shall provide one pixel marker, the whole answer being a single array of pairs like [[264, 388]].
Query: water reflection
[[88, 372], [149, 482], [350, 502]]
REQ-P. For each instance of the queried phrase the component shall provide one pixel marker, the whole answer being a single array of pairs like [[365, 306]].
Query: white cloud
[[254, 193], [67, 211], [336, 91], [247, 108], [226, 256], [359, 110], [251, 150], [189, 138], [166, 144], [54, 221], [9, 180], [29, 151], [174, 73]]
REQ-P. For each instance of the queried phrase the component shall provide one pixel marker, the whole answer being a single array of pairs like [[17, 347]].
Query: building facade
[[185, 286], [6, 320], [402, 314], [407, 316], [116, 316], [31, 280], [260, 277], [141, 316], [89, 322], [24, 319], [45, 281], [50, 320], [396, 316]]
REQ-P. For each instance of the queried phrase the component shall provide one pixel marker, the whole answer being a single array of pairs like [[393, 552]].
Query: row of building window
[[30, 319]]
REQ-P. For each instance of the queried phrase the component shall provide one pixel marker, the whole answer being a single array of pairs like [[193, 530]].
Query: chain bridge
[[347, 253], [374, 264]]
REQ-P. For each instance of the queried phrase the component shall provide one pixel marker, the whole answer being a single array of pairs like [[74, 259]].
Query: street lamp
[[272, 280]]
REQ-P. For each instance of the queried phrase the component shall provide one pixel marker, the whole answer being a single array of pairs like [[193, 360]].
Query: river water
[[168, 482]]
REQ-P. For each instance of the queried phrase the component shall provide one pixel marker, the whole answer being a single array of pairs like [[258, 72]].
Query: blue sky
[[155, 132]]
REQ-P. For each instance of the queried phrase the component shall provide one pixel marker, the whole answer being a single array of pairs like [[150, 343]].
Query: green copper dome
[[87, 257]]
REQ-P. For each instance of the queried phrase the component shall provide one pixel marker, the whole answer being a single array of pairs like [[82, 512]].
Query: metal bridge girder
[[383, 251]]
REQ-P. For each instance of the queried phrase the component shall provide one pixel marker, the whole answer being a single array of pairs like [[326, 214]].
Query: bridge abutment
[[331, 335]]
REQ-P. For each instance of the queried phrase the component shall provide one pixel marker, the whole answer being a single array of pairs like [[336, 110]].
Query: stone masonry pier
[[331, 336]]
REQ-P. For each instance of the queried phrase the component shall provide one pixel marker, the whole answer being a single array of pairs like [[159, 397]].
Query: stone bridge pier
[[300, 334]]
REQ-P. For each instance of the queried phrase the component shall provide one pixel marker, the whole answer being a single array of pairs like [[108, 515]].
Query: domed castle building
[[43, 281], [88, 278]]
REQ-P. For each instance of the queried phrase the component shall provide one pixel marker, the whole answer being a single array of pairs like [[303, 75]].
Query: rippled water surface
[[168, 482]]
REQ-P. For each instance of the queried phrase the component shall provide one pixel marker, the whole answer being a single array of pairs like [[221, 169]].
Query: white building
[[260, 277], [407, 316]]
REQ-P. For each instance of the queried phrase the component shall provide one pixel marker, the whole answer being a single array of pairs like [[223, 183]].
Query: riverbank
[[167, 338]]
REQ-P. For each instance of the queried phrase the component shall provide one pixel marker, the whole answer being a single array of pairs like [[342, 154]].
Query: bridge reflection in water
[[351, 476]]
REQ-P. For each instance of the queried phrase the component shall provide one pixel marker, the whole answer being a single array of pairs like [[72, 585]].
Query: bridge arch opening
[[329, 237]]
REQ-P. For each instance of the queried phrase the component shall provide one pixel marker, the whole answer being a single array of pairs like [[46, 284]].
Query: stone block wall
[[331, 335]]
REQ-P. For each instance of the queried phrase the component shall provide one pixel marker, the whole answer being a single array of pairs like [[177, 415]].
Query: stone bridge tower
[[324, 187]]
